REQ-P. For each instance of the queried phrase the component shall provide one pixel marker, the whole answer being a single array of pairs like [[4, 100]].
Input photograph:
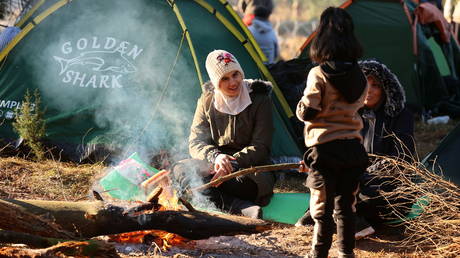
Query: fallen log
[[89, 219], [91, 248], [15, 218], [12, 237]]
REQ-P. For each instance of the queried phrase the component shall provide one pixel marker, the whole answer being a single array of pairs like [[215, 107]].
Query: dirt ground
[[282, 241]]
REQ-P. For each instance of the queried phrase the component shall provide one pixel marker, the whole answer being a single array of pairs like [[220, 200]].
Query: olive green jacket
[[246, 136]]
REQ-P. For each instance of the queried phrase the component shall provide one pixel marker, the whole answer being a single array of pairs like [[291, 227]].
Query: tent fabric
[[444, 159], [385, 31], [129, 78], [427, 13], [439, 57]]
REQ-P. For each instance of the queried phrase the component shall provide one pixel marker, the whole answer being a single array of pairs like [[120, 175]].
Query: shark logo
[[97, 62], [100, 61]]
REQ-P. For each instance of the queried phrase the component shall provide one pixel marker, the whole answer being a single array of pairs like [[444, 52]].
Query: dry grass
[[51, 180]]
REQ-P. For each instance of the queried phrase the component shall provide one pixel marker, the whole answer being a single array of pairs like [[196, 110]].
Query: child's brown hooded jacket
[[335, 92]]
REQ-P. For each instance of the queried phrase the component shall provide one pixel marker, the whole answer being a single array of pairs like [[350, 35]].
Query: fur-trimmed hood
[[395, 97], [256, 86]]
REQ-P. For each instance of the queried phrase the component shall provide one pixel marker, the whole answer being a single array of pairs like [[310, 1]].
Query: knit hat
[[220, 62]]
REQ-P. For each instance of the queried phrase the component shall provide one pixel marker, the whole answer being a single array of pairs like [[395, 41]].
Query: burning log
[[89, 219]]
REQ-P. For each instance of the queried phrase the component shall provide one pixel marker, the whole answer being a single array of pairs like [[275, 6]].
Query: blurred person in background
[[232, 129], [7, 35], [248, 7], [262, 30]]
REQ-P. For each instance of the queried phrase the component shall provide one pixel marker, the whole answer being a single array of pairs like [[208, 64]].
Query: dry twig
[[437, 226]]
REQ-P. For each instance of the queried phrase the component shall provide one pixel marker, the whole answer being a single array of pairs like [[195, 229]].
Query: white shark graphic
[[100, 60]]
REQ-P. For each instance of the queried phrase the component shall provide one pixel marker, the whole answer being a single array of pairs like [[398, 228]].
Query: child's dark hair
[[335, 39]]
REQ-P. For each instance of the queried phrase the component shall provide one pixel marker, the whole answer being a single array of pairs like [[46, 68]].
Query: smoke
[[118, 73], [124, 68], [187, 175]]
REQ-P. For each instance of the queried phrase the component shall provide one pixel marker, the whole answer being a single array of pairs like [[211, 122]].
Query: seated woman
[[388, 131], [232, 129]]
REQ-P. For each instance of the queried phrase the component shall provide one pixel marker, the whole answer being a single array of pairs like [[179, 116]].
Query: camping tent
[[444, 160], [384, 28], [125, 73]]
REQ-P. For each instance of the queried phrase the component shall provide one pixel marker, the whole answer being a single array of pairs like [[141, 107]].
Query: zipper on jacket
[[234, 127]]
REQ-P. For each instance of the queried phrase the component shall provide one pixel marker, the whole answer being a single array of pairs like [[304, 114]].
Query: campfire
[[160, 197]]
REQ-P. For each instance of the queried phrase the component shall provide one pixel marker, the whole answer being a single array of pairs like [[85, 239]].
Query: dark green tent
[[445, 159], [125, 73], [384, 28]]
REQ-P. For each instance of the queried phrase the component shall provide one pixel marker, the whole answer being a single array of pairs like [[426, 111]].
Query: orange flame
[[168, 197], [168, 200], [161, 238]]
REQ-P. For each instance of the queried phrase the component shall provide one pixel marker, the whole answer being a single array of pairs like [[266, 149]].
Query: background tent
[[125, 73], [444, 159], [384, 28]]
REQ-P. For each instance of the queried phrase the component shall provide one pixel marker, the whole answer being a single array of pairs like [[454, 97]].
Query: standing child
[[329, 108]]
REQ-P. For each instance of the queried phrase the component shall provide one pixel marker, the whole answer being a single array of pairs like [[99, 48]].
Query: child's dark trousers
[[336, 169]]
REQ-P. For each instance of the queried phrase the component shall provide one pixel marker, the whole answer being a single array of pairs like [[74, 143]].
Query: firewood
[[89, 219], [155, 179], [15, 218], [154, 194], [187, 204]]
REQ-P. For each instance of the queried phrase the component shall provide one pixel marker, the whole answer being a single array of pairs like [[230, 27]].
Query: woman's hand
[[222, 166], [303, 167]]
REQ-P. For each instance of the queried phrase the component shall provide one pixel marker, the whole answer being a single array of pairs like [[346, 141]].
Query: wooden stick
[[246, 171], [187, 205], [154, 194]]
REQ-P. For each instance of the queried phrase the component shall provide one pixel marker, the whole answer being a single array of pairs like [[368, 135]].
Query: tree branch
[[246, 171]]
